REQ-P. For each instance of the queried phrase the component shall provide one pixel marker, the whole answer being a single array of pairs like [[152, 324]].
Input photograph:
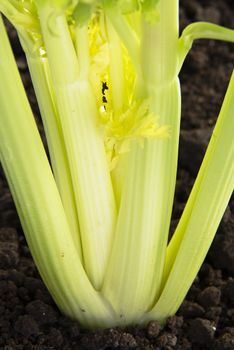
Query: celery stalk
[[202, 30], [41, 79], [202, 214], [131, 42], [116, 69], [134, 274], [82, 49], [118, 96], [32, 184], [85, 148]]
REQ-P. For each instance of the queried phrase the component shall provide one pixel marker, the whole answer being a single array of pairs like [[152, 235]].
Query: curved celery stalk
[[85, 148], [135, 270], [41, 79], [202, 214], [38, 201], [201, 30]]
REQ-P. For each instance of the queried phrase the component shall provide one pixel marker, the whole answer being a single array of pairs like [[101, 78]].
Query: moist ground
[[28, 317]]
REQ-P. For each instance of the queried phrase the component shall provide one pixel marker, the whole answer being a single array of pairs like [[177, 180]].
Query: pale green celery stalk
[[199, 30], [82, 49], [118, 92], [85, 148], [118, 175], [135, 270], [126, 33], [130, 40], [41, 79], [116, 69], [38, 202], [202, 214], [38, 66], [202, 30]]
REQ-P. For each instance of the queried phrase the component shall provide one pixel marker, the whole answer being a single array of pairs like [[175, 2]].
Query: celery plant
[[105, 74]]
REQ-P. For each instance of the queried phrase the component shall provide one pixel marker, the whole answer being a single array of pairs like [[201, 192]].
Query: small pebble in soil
[[201, 331], [175, 323], [153, 329], [190, 309], [210, 296], [127, 341], [207, 274], [167, 340]]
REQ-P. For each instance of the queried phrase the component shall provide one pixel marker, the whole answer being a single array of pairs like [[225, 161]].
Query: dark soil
[[28, 317]]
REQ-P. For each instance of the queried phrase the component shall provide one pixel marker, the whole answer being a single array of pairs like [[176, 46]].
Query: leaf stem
[[201, 216], [85, 148]]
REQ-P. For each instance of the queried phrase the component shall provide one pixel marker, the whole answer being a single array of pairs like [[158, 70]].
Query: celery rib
[[85, 148], [116, 69], [118, 96], [38, 201], [201, 30], [40, 75], [133, 278], [135, 269], [127, 36], [202, 214], [82, 49]]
